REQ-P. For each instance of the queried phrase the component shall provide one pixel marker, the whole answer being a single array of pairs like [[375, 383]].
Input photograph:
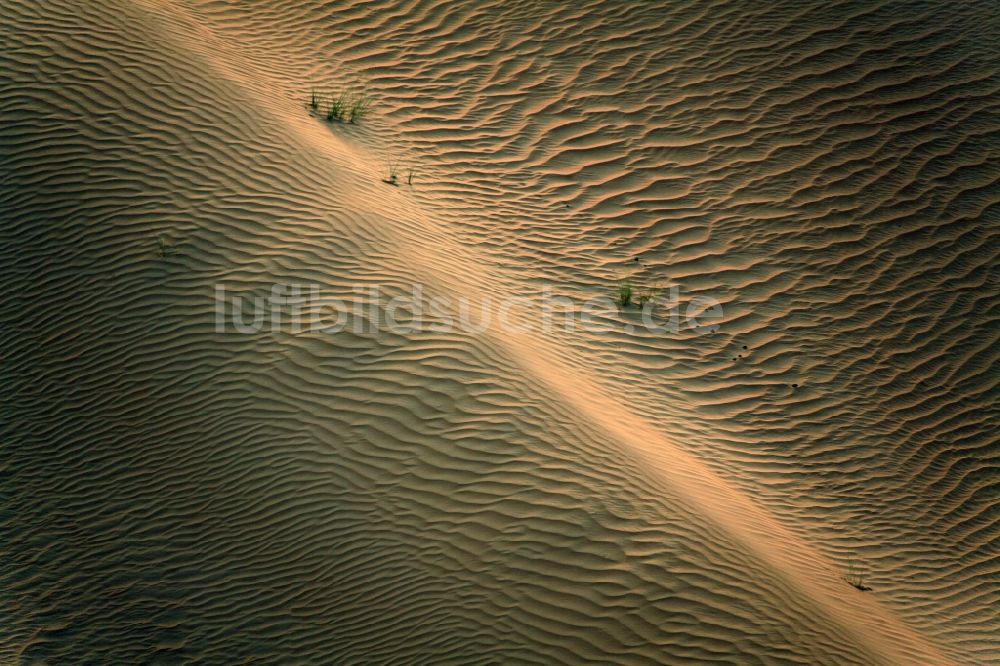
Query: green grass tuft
[[344, 106], [624, 294], [336, 107], [359, 105]]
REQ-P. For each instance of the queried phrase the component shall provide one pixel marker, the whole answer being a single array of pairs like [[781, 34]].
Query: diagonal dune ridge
[[781, 555]]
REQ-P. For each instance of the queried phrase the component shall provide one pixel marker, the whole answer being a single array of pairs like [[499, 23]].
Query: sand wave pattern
[[175, 493]]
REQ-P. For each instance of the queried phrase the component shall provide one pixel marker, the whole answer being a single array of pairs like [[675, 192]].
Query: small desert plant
[[163, 248], [392, 172], [359, 107], [343, 106], [409, 178], [624, 294], [337, 107], [856, 578], [645, 296]]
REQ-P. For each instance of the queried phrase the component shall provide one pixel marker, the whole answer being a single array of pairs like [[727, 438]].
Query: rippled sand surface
[[174, 493]]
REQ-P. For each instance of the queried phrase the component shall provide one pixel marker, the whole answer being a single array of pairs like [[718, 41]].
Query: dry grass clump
[[391, 172], [856, 578]]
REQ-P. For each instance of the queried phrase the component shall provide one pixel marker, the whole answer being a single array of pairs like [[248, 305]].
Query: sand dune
[[173, 492]]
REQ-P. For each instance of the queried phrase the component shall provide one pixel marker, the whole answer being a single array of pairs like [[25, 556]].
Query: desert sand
[[174, 490]]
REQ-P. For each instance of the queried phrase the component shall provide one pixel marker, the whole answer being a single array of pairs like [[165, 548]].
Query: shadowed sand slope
[[176, 493]]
